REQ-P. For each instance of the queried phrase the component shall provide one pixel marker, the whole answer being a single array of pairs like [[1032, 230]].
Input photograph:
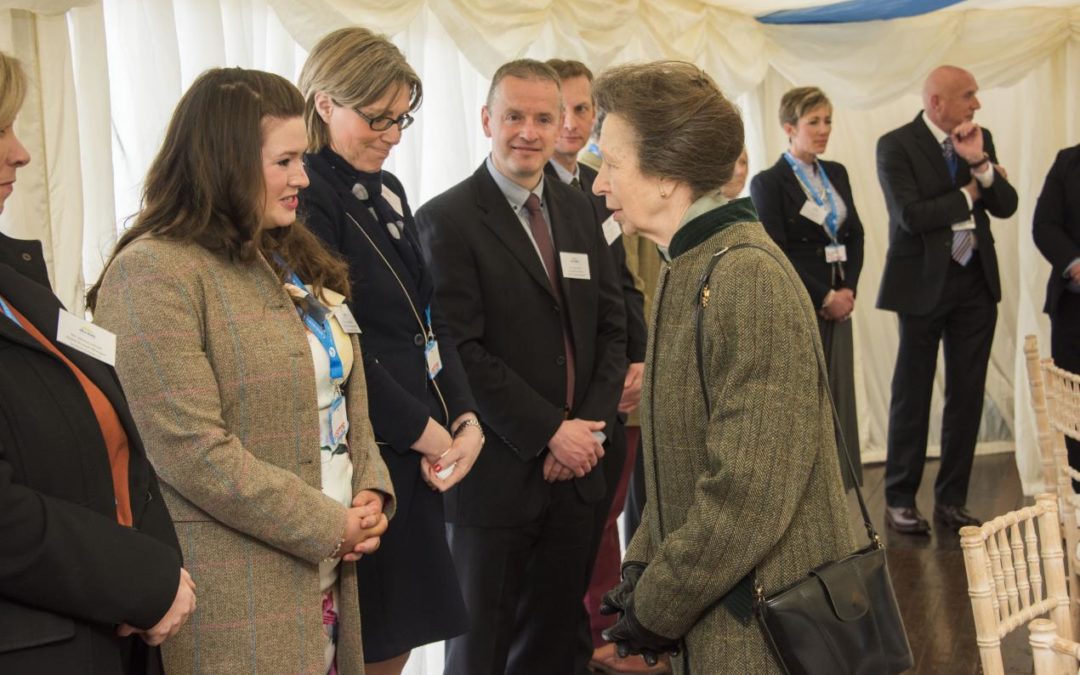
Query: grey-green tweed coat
[[757, 484]]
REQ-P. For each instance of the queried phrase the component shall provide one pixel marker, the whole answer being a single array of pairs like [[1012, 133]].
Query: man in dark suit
[[579, 116], [1057, 236], [941, 182], [528, 287]]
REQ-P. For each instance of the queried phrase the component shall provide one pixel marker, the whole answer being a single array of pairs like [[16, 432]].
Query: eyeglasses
[[382, 122]]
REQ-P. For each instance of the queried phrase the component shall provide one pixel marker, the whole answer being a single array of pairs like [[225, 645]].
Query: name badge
[[814, 212], [968, 224], [575, 265], [393, 199], [836, 253], [346, 319], [85, 337], [434, 361], [612, 230], [339, 423]]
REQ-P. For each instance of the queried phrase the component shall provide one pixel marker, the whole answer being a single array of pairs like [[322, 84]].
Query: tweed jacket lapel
[[504, 224]]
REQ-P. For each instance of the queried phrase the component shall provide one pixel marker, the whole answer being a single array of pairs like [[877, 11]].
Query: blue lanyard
[[320, 329], [830, 220], [11, 315], [430, 330]]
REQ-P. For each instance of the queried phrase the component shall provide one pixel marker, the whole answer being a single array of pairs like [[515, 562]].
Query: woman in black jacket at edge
[[90, 569]]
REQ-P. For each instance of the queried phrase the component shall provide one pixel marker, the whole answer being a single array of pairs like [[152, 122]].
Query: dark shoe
[[954, 517], [906, 520]]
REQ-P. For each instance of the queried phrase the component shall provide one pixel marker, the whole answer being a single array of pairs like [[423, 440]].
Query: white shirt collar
[[564, 175], [939, 135]]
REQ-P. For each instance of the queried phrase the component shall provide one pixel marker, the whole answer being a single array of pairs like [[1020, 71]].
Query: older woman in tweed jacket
[[222, 384], [753, 483]]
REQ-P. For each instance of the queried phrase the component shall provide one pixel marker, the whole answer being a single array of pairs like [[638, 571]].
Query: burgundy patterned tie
[[542, 235]]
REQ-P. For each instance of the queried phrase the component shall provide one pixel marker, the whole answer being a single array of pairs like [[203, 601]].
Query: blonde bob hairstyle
[[12, 88], [354, 67], [799, 101]]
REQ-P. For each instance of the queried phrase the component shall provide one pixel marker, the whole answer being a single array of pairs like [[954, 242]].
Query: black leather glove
[[617, 598], [630, 637]]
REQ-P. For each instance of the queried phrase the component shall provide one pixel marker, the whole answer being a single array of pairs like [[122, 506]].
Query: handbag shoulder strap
[[701, 301]]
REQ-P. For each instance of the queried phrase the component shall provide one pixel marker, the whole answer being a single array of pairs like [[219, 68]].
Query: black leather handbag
[[842, 619]]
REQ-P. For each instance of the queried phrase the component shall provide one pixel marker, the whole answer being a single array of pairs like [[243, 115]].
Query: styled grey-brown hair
[[355, 67], [523, 69], [798, 101], [13, 87], [685, 128]]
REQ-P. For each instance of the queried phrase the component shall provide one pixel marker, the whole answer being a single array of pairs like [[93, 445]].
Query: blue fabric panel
[[856, 10]]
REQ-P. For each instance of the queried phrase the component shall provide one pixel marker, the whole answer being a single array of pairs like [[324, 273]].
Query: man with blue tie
[[941, 181]]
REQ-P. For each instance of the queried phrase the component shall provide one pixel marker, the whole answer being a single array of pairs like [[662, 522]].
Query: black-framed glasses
[[382, 122]]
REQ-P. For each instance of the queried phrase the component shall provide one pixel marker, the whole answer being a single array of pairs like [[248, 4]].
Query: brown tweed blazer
[[221, 383], [755, 484]]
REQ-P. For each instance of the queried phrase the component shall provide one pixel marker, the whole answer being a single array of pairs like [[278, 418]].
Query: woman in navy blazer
[[359, 95], [90, 568], [806, 206]]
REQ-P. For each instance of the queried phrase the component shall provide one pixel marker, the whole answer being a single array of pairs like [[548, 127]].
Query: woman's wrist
[[466, 423]]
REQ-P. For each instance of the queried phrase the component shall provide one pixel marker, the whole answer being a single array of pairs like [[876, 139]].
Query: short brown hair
[[523, 69], [567, 68], [355, 67], [206, 184], [686, 129], [13, 87], [798, 101]]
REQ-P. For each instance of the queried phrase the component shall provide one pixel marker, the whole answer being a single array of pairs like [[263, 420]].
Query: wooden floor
[[928, 572]]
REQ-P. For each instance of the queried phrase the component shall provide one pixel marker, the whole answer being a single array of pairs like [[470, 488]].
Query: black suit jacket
[[1057, 222], [500, 307], [69, 573], [778, 198], [636, 331], [924, 202]]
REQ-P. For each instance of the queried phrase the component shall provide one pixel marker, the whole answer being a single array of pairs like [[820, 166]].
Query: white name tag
[[968, 224], [83, 336], [812, 211], [836, 253], [434, 361], [575, 265], [393, 199], [346, 319], [612, 230]]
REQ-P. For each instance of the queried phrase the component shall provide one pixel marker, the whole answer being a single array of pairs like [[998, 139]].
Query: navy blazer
[[69, 573], [1057, 222], [500, 306], [778, 198], [924, 202]]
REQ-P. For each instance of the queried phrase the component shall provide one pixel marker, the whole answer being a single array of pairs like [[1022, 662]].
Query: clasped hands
[[629, 636], [574, 450], [183, 606], [840, 306], [365, 524], [440, 450]]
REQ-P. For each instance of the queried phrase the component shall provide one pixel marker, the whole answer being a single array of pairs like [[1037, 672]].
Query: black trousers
[[1065, 349], [523, 587], [963, 321]]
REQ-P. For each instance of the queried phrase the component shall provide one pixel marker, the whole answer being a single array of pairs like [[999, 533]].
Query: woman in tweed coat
[[226, 388], [753, 483]]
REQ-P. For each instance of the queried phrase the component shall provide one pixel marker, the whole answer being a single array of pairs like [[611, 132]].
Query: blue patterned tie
[[963, 242]]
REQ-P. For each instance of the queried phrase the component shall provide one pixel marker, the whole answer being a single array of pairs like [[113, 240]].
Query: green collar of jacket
[[706, 217]]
